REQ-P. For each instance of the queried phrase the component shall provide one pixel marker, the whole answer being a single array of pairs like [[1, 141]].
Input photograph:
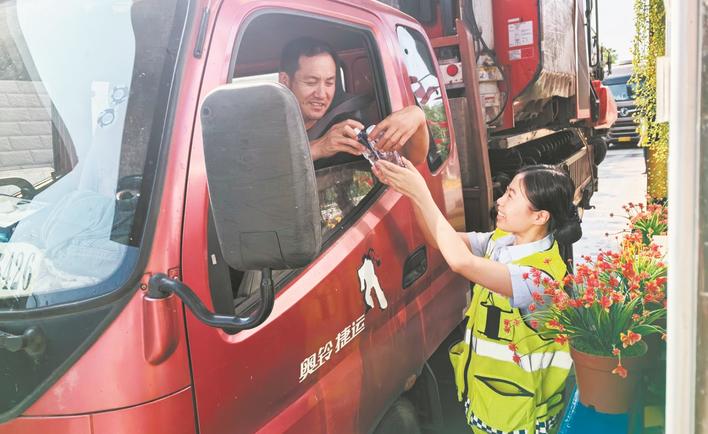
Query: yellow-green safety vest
[[500, 395]]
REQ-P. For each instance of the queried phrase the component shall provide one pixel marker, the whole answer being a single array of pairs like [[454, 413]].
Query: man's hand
[[392, 133], [340, 138]]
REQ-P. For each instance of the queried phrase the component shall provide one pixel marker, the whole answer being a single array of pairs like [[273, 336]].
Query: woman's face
[[515, 212]]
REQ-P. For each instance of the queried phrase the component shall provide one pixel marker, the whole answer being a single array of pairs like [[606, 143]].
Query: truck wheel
[[399, 419], [599, 145]]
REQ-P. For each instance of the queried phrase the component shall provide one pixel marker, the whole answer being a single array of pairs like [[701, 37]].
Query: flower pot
[[598, 387]]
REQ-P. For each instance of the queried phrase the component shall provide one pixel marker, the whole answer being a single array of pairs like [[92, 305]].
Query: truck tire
[[399, 419], [599, 145]]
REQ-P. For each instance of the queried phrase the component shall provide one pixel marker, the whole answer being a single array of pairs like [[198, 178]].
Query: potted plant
[[605, 310], [650, 220]]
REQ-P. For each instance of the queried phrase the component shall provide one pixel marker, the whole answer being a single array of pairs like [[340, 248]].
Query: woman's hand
[[392, 133], [405, 180]]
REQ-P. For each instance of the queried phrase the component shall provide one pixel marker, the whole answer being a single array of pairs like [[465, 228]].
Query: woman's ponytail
[[568, 230]]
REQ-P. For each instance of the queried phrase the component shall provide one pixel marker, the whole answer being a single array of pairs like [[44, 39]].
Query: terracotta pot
[[599, 388]]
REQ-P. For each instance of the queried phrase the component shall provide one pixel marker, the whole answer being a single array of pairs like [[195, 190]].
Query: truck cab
[[625, 129], [146, 146]]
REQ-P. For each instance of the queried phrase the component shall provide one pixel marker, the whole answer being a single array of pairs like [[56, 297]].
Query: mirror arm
[[161, 286]]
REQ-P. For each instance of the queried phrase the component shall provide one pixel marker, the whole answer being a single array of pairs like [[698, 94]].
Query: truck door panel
[[325, 360], [425, 89]]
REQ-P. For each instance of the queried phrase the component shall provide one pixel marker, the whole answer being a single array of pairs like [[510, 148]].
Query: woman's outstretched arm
[[456, 251]]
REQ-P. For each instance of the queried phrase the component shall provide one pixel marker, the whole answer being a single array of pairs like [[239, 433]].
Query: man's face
[[313, 86]]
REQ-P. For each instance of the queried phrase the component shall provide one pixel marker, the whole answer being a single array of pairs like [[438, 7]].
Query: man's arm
[[405, 131]]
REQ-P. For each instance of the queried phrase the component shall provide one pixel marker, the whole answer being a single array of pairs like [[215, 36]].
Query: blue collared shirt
[[505, 252]]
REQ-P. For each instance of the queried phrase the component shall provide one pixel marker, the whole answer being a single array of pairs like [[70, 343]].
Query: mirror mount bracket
[[161, 286]]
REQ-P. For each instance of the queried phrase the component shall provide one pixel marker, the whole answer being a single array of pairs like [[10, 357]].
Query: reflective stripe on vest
[[529, 362]]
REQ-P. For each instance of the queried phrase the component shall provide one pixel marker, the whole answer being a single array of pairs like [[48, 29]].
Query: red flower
[[630, 338], [561, 339], [617, 296], [547, 261], [525, 276], [620, 370], [534, 323], [538, 297], [554, 324], [615, 351], [532, 307], [606, 302]]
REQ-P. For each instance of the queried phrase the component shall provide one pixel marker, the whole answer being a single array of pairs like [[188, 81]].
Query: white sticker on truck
[[520, 33], [19, 266], [316, 360]]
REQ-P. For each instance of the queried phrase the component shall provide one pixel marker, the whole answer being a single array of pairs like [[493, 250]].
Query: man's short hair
[[305, 46]]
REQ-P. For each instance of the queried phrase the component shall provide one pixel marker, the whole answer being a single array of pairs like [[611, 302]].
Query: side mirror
[[261, 177], [261, 188]]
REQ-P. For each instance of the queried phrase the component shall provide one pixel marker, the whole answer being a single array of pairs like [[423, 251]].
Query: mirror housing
[[261, 177]]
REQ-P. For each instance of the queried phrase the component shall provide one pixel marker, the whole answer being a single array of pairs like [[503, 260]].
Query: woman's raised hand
[[405, 180]]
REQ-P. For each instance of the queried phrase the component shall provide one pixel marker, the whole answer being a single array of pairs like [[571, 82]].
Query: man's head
[[308, 67]]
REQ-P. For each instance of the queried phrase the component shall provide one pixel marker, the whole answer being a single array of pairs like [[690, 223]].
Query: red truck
[[171, 261]]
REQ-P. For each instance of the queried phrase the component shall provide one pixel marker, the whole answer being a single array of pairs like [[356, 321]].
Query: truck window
[[79, 112], [425, 86], [346, 185]]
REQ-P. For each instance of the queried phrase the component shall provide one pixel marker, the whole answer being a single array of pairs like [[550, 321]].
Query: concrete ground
[[622, 179]]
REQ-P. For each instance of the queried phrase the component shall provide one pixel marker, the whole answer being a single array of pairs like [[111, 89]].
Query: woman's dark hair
[[549, 188]]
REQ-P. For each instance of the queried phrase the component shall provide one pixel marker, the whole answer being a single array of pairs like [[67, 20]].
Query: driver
[[308, 67]]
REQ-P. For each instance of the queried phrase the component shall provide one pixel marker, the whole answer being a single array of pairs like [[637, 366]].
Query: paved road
[[622, 180]]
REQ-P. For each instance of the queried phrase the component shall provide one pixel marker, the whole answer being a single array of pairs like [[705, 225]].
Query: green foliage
[[648, 44], [609, 55], [437, 123]]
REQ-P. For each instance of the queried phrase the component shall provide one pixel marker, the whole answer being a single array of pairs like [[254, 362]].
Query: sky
[[617, 26]]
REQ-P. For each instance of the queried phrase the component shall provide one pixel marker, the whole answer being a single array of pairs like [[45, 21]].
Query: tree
[[609, 56]]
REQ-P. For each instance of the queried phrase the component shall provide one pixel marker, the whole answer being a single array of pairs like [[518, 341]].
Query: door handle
[[415, 266]]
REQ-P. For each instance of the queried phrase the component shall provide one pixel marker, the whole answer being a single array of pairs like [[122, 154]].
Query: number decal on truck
[[18, 266]]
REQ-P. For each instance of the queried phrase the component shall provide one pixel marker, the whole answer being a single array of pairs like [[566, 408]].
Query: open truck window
[[345, 183]]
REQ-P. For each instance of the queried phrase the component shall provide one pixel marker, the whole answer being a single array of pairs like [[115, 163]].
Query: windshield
[[622, 91], [82, 107]]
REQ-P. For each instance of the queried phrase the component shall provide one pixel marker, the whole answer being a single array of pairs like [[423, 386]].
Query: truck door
[[343, 335]]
